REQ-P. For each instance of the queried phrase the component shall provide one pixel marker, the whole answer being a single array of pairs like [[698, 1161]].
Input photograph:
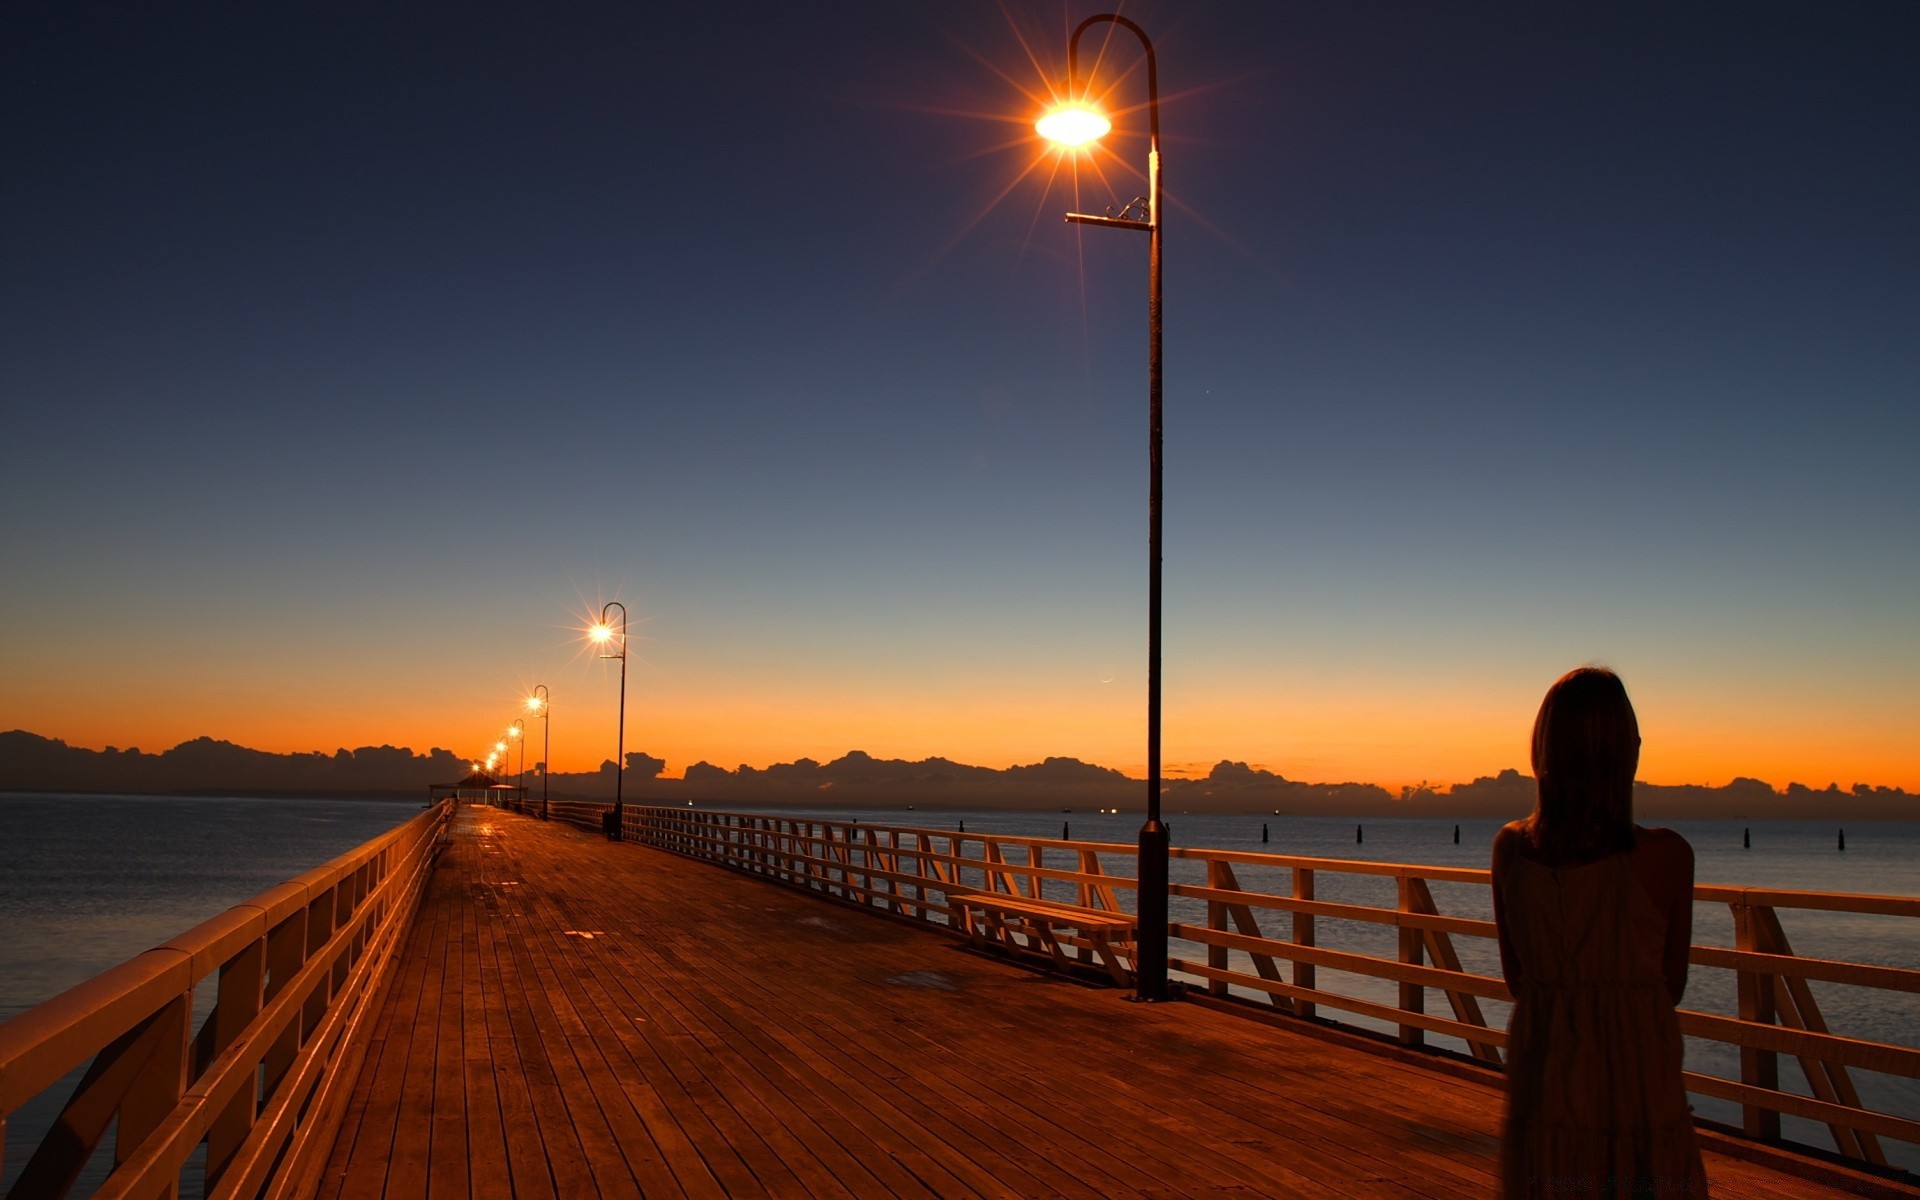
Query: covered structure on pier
[[477, 786]]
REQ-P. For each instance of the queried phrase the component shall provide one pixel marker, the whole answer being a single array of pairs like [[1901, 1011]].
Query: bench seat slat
[[1085, 918]]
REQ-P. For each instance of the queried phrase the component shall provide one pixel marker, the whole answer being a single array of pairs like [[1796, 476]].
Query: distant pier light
[[542, 702], [607, 636]]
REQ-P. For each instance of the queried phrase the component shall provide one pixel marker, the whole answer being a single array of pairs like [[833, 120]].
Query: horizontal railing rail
[[1268, 939], [295, 974]]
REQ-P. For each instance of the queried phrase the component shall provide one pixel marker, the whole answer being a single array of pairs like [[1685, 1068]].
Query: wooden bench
[[1002, 914]]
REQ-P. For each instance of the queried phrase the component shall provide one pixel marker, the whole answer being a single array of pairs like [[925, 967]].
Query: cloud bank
[[31, 763]]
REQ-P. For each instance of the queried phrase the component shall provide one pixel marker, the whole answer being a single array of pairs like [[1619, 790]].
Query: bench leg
[[1053, 947], [1107, 957], [997, 930]]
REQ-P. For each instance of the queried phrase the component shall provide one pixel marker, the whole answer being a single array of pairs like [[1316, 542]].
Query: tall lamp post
[[499, 751], [1078, 125], [542, 702], [518, 732], [604, 634]]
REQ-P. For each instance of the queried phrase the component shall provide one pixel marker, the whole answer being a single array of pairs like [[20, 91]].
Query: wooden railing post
[[242, 984], [286, 951], [1758, 1068], [1096, 895], [320, 928], [1217, 873], [891, 861], [994, 873], [1413, 997], [1440, 951], [1220, 875], [1302, 923], [158, 1085], [1795, 1004], [921, 873]]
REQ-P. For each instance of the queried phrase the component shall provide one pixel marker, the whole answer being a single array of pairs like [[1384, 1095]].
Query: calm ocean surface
[[87, 882]]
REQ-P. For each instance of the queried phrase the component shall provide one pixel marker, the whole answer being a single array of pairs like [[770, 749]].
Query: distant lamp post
[[518, 732], [542, 702], [1077, 125], [604, 634]]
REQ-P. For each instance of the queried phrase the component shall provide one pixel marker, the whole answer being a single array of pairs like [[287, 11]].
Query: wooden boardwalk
[[576, 1018]]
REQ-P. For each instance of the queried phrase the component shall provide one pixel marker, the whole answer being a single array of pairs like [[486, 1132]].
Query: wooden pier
[[483, 1003], [574, 1017]]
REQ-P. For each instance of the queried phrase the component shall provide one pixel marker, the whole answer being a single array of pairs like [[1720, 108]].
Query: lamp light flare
[[1073, 125], [533, 704], [602, 633]]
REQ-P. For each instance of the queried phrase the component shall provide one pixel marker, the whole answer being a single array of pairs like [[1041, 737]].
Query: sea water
[[87, 882]]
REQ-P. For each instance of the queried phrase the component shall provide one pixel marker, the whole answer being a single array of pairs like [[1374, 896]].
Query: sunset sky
[[354, 354]]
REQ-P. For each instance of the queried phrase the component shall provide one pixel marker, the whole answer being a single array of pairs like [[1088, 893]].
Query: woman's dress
[[1595, 1104]]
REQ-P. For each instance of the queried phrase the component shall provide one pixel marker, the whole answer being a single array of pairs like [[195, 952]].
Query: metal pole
[[546, 742], [1150, 961], [620, 742], [1150, 947]]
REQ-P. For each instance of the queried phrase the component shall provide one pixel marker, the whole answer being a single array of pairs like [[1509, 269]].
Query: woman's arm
[[1679, 917], [1663, 860], [1505, 844]]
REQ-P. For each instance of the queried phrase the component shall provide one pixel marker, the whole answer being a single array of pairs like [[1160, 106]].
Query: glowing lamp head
[[533, 704], [1073, 125], [601, 633]]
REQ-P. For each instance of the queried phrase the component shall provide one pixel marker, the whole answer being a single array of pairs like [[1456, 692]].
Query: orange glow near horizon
[[1386, 731], [1390, 761]]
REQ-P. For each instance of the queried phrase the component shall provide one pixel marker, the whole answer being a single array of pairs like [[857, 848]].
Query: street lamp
[[542, 702], [518, 732], [603, 634], [1073, 126]]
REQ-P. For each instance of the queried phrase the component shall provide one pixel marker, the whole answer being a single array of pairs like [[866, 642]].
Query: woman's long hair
[[1586, 748]]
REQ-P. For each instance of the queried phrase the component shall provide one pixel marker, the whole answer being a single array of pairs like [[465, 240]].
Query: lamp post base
[[1150, 931]]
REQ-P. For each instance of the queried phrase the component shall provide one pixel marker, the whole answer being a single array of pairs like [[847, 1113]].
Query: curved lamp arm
[[1153, 71]]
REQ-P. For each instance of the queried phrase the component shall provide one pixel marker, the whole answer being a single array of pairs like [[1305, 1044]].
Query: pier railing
[[290, 980], [1303, 937]]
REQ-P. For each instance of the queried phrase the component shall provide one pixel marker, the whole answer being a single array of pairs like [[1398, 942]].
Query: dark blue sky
[[352, 351]]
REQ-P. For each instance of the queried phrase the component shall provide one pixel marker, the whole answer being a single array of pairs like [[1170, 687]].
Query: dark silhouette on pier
[[1595, 917]]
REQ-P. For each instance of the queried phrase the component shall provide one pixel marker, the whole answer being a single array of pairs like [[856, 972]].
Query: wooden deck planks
[[720, 1036]]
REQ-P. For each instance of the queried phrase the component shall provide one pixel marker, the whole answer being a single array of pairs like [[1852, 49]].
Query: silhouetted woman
[[1595, 915]]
